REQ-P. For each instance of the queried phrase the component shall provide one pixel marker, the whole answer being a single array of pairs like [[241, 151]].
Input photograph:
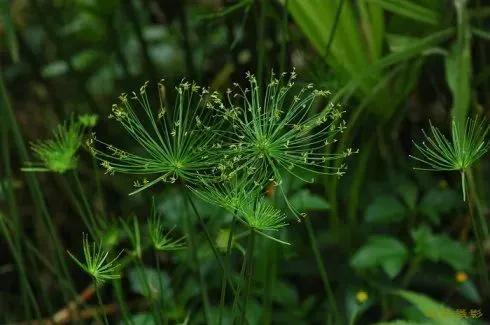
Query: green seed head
[[58, 154]]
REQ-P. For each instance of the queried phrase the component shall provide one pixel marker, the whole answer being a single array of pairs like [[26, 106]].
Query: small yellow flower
[[362, 296], [461, 277]]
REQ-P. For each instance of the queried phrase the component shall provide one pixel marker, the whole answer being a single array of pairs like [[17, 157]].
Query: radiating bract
[[58, 154], [175, 144], [277, 131], [468, 143]]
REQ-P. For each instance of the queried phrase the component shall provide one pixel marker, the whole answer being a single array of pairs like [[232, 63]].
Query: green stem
[[285, 37], [16, 253], [260, 41], [476, 201], [35, 189], [271, 272], [227, 270], [161, 301], [321, 268], [195, 261], [412, 270], [99, 299], [118, 291], [144, 279], [73, 199], [86, 205], [15, 243], [480, 230], [237, 293], [209, 239], [186, 44], [463, 187], [249, 260], [131, 13]]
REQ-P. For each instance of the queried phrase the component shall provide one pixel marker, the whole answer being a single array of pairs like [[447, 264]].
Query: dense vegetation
[[248, 162]]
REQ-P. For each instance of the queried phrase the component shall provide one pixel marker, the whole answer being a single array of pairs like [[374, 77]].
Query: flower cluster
[[228, 148], [96, 263], [467, 144], [175, 143], [58, 154]]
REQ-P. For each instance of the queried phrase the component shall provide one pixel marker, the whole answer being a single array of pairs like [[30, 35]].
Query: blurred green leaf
[[143, 319], [399, 43], [387, 252], [438, 248], [470, 292], [404, 322], [409, 9], [285, 294], [9, 29], [385, 209], [458, 66], [408, 191], [431, 309], [437, 202], [305, 200], [54, 69], [147, 282]]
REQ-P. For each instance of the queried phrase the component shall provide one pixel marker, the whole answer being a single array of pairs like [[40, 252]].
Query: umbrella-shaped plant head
[[467, 144], [243, 197], [59, 153], [275, 131], [170, 142]]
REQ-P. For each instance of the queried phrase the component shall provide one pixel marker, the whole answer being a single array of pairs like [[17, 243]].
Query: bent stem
[[321, 269], [227, 270]]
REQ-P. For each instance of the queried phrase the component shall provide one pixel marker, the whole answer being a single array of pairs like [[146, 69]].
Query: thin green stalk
[[260, 41], [144, 279], [99, 299], [285, 37], [335, 23], [118, 290], [86, 205], [227, 270], [116, 45], [100, 192], [191, 237], [478, 226], [249, 258], [209, 238], [24, 281], [236, 299], [73, 199], [34, 188], [131, 14], [15, 243], [477, 202], [161, 301], [321, 268], [412, 270], [206, 232], [269, 281], [188, 51]]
